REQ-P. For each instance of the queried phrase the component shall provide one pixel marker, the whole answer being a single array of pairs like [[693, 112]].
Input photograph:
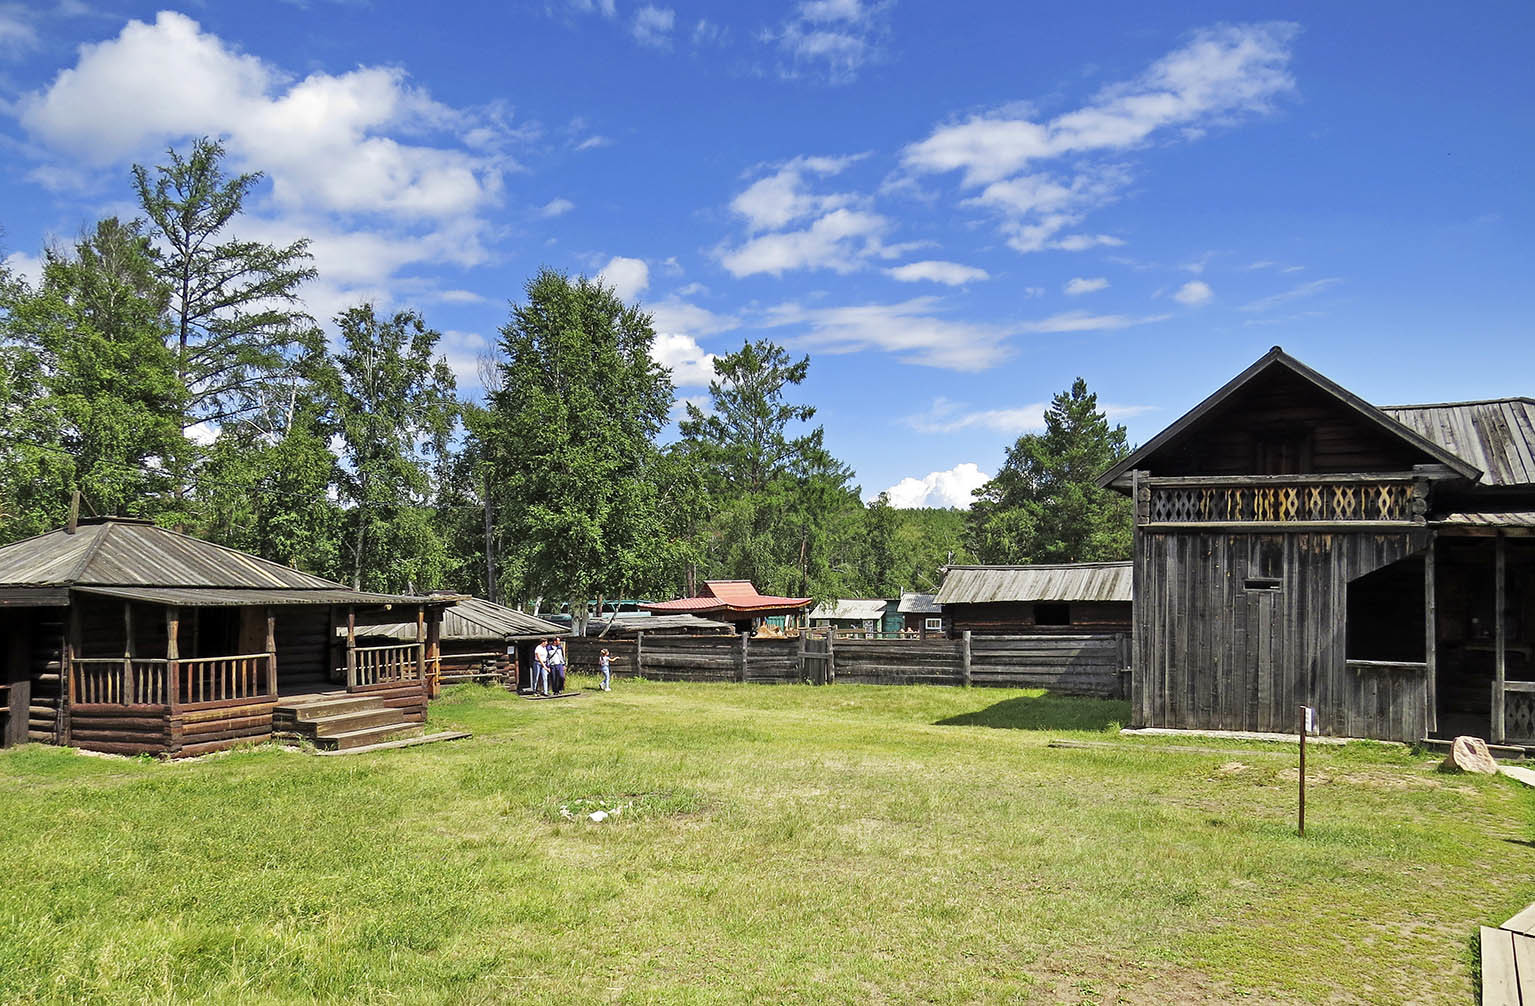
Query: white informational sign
[[1310, 719]]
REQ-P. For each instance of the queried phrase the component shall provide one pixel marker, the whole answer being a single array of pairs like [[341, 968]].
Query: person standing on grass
[[541, 668], [557, 664], [605, 665]]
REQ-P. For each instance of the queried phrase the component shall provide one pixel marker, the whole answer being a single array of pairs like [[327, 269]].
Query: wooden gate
[[815, 658]]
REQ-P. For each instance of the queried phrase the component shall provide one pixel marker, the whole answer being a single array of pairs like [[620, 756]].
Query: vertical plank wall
[[1212, 654]]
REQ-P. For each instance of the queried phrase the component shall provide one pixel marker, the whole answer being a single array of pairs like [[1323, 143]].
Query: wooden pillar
[[743, 657], [1500, 638], [965, 655], [831, 656], [639, 654], [351, 648], [802, 656], [420, 642], [128, 694], [1431, 637], [71, 651], [173, 654], [271, 653], [434, 653]]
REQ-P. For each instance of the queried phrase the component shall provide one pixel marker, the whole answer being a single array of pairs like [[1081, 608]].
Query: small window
[[1262, 583], [1052, 614], [932, 623]]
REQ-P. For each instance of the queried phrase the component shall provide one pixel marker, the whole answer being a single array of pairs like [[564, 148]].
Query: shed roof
[[628, 623], [1083, 581], [1496, 436], [234, 597], [476, 618], [919, 604], [851, 610], [1516, 518]]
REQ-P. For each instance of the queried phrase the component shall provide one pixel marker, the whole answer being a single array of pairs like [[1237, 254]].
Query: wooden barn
[[1068, 599], [479, 640], [124, 637], [1296, 545]]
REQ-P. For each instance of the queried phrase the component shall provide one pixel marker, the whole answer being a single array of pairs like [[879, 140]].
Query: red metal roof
[[729, 596]]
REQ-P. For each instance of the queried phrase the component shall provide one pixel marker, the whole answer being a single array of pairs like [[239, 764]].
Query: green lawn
[[843, 844]]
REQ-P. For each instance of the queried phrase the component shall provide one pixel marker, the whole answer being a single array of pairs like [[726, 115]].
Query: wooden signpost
[[1307, 725]]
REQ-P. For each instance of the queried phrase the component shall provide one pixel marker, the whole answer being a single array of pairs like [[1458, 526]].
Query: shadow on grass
[[1045, 712]]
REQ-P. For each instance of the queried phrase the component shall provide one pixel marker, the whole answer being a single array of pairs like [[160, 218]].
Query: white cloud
[[1295, 293], [27, 267], [1082, 242], [556, 207], [831, 40], [1194, 292], [17, 33], [691, 367], [1221, 74], [706, 33], [627, 276], [653, 26], [780, 199], [950, 273], [1080, 285], [946, 416], [910, 329], [463, 350], [593, 142], [673, 315], [839, 241], [604, 7], [679, 410], [460, 297], [1080, 321], [953, 488]]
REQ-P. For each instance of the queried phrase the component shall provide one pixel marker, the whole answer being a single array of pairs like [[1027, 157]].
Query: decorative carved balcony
[[1282, 499]]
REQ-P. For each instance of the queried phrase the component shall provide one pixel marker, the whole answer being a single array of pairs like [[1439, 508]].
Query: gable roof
[[1078, 581], [1497, 435], [1277, 357], [851, 610], [729, 595], [913, 603], [475, 618]]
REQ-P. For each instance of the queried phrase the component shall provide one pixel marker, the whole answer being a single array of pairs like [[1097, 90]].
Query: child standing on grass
[[605, 664]]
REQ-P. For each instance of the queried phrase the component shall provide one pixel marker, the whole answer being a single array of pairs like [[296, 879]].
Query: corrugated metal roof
[[215, 597], [1497, 436], [1086, 581], [919, 604], [476, 618], [137, 553], [1522, 518], [851, 610]]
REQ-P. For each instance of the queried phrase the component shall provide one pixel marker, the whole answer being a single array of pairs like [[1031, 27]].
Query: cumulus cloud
[[627, 276], [27, 267], [1080, 285], [557, 207], [949, 273], [1193, 293], [947, 416], [690, 365], [1220, 75], [953, 488], [653, 26], [831, 40]]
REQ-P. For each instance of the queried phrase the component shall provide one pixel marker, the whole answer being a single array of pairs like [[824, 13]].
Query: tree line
[[165, 367]]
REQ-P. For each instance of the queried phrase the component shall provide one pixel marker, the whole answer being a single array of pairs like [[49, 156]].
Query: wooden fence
[[1091, 664]]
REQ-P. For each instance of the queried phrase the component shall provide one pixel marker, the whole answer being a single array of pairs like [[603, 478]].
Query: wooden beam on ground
[[1500, 982]]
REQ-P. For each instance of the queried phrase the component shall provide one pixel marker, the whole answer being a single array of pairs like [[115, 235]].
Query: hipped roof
[[729, 596], [1277, 357], [1083, 581], [136, 560]]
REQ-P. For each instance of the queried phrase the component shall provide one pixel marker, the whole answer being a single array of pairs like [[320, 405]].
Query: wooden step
[[404, 742], [322, 708], [341, 723], [369, 736]]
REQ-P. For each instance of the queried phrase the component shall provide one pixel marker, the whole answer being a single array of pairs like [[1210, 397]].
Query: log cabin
[[1295, 545], [479, 641], [127, 638], [1043, 599]]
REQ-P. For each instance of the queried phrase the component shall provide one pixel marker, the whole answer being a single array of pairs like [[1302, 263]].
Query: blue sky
[[954, 208]]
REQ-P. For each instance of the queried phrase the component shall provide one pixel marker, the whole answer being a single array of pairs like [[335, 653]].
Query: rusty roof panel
[[1086, 581]]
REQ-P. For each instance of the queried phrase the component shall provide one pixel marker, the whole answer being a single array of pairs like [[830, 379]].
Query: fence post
[[802, 676], [965, 656], [745, 655], [831, 657], [639, 654]]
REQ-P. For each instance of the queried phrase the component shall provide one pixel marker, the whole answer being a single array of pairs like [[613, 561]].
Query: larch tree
[[1043, 505]]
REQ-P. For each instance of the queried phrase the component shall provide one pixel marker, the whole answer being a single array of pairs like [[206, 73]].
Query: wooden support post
[[351, 648], [173, 655], [421, 642], [1500, 640], [831, 656], [271, 652], [802, 675], [743, 657], [128, 694], [71, 651], [965, 656], [434, 653], [639, 654], [1430, 638]]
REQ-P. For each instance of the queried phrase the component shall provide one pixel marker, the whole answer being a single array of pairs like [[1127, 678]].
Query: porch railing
[[220, 679], [1518, 709], [124, 681], [1283, 499], [377, 665]]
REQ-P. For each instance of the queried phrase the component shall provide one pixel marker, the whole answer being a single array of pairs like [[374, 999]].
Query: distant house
[[1084, 597], [920, 613], [853, 615], [480, 639], [733, 601], [627, 625], [125, 637]]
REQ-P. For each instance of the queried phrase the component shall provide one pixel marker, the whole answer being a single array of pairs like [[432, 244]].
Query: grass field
[[843, 844]]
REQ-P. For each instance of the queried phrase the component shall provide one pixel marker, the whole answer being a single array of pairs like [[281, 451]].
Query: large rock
[[1470, 754]]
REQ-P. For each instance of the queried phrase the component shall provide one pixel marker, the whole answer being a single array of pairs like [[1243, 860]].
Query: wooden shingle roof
[[1080, 581], [1496, 436]]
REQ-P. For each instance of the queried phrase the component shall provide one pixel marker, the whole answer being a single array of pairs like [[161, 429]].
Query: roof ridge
[[329, 584], [90, 552]]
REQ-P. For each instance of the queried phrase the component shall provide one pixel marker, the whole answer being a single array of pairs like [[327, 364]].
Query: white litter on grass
[[598, 816]]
